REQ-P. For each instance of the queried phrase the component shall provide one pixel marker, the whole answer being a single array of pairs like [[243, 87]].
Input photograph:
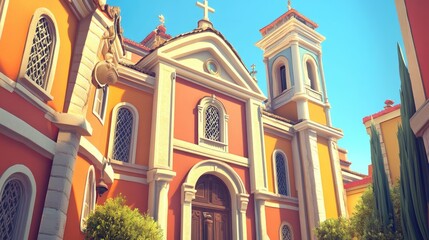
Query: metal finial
[[288, 5], [206, 8]]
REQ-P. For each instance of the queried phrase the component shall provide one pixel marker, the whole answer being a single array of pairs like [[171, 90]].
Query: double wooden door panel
[[211, 213]]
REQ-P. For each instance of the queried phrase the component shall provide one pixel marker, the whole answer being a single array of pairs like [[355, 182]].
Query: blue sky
[[359, 53]]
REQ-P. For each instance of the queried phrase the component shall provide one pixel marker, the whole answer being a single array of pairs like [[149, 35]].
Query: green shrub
[[114, 220], [334, 229]]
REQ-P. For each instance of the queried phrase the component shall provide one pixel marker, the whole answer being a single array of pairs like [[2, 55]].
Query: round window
[[211, 67]]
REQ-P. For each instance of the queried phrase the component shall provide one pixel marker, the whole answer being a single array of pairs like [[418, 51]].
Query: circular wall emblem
[[211, 66]]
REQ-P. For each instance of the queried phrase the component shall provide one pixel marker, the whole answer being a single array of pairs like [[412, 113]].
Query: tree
[[365, 226], [334, 229], [114, 220], [380, 185]]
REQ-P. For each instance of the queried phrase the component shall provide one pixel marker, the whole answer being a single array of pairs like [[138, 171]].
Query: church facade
[[176, 124]]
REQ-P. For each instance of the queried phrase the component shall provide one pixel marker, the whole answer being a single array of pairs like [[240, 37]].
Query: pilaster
[[159, 184], [54, 214], [163, 118], [337, 177], [312, 178]]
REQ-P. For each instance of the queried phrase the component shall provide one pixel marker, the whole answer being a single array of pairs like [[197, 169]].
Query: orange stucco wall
[[317, 113], [12, 45], [121, 93], [14, 152], [273, 142], [389, 130], [187, 98], [276, 217], [183, 162], [288, 111], [327, 178]]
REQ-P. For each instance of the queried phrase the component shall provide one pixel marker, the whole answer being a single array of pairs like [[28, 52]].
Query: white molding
[[25, 176], [87, 149], [274, 164], [210, 153], [124, 177], [134, 130], [419, 121], [17, 129], [239, 196], [315, 71], [128, 167], [383, 118], [276, 79], [3, 11], [321, 130], [89, 182], [202, 106], [135, 79], [206, 41], [101, 117], [41, 93], [82, 8]]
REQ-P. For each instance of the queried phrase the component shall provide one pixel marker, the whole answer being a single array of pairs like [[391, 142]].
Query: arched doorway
[[211, 210]]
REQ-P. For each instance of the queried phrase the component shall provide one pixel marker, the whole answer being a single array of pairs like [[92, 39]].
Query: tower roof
[[292, 13]]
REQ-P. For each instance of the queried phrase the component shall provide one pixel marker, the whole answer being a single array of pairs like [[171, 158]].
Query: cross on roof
[[206, 8]]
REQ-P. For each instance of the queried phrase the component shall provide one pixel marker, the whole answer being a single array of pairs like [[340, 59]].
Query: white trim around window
[[43, 93], [24, 175], [314, 82], [276, 78], [134, 130], [3, 11], [100, 103], [222, 144], [286, 172], [89, 197]]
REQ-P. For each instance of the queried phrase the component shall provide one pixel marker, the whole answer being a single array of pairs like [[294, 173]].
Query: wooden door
[[211, 212]]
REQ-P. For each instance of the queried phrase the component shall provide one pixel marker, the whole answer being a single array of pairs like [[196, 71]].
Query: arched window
[[283, 78], [285, 232], [281, 173], [212, 124], [89, 198], [17, 195], [280, 76], [123, 136], [40, 55], [311, 76]]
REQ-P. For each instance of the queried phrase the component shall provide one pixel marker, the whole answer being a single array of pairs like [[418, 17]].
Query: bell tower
[[293, 61], [296, 91]]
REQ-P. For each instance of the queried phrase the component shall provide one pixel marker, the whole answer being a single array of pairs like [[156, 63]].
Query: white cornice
[[321, 130], [82, 8], [210, 153], [277, 127], [136, 79], [87, 149], [17, 129], [384, 118], [292, 30]]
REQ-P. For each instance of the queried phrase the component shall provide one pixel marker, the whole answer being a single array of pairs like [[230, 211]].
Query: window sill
[[35, 89], [220, 146]]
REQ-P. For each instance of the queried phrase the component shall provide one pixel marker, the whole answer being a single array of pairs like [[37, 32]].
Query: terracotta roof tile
[[381, 113]]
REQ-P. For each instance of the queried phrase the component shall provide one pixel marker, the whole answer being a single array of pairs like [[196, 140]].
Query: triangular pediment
[[206, 55]]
